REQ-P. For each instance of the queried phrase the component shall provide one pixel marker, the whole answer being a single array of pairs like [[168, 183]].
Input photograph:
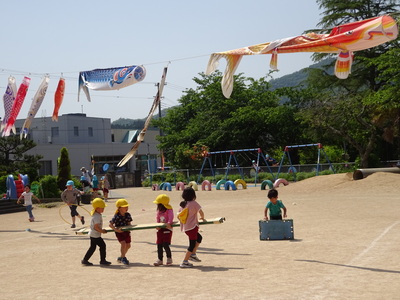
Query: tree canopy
[[362, 109], [253, 117], [13, 159], [360, 114]]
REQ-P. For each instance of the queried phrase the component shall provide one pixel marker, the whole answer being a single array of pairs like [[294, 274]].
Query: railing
[[250, 172]]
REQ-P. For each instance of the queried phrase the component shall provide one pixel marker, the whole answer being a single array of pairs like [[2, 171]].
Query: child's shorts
[[164, 236], [124, 236], [192, 233]]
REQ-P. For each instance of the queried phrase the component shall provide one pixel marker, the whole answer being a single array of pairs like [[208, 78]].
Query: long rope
[[62, 206]]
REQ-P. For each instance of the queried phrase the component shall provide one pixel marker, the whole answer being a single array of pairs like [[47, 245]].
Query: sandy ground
[[346, 246]]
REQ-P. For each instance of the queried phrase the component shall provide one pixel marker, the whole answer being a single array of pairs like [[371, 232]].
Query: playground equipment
[[206, 185], [230, 184], [265, 183], [280, 181], [232, 158], [165, 186], [180, 186], [362, 173], [16, 187], [286, 152], [240, 182], [193, 185]]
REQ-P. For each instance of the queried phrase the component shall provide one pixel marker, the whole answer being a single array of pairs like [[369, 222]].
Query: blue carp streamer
[[110, 79]]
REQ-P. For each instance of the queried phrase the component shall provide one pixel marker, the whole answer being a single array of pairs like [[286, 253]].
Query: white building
[[88, 138]]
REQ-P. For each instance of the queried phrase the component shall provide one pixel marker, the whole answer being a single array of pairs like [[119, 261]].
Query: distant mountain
[[289, 80], [123, 123], [299, 77]]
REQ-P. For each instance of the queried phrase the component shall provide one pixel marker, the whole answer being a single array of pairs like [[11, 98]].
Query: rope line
[[62, 206]]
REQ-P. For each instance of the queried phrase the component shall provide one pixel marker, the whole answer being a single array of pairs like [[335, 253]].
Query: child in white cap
[[165, 214]]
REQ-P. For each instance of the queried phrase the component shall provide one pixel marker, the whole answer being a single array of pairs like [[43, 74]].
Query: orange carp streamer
[[343, 40], [58, 98]]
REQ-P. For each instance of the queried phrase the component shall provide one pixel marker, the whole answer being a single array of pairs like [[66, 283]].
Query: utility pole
[[159, 105]]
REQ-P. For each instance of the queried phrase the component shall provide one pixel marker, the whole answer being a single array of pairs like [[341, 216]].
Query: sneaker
[[86, 263], [158, 263], [119, 259], [73, 226], [194, 257], [105, 263], [125, 261], [186, 264], [169, 261], [83, 220]]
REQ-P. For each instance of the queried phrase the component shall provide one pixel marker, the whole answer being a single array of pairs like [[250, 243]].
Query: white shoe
[[194, 257], [186, 264], [158, 263]]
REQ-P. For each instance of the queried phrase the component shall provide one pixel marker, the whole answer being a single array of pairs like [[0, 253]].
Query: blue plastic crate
[[276, 229]]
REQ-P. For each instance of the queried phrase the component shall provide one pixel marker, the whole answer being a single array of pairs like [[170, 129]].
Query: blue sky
[[66, 37]]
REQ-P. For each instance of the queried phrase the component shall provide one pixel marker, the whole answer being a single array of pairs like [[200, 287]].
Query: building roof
[[130, 136]]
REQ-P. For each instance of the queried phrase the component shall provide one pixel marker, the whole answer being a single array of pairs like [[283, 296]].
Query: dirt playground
[[346, 246]]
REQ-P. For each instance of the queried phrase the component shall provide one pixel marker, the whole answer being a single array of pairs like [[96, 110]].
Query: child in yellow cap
[[96, 229], [165, 214], [122, 218]]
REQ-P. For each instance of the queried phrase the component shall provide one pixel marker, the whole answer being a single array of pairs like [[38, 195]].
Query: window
[[76, 131], [54, 131], [45, 167], [90, 131]]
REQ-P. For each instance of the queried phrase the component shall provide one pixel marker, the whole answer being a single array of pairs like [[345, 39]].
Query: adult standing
[[87, 174]]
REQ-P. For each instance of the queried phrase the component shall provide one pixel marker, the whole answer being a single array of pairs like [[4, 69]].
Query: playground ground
[[346, 246]]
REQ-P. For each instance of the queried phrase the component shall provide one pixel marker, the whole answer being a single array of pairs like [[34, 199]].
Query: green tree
[[64, 169], [253, 117], [388, 99], [349, 110], [13, 159]]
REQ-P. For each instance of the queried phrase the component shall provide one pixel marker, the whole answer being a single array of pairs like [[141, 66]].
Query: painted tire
[[167, 186], [242, 182], [228, 184], [265, 183], [279, 181], [180, 186], [193, 185], [206, 184], [219, 183]]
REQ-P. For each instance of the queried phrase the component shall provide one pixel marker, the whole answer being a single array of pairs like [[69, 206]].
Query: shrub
[[64, 169], [3, 185], [49, 187]]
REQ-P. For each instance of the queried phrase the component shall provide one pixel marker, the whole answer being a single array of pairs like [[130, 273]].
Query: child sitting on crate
[[274, 206]]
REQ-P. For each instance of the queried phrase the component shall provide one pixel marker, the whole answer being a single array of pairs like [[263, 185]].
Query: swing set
[[286, 152], [232, 158]]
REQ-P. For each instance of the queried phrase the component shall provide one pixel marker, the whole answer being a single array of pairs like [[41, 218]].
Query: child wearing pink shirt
[[165, 215], [191, 226]]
